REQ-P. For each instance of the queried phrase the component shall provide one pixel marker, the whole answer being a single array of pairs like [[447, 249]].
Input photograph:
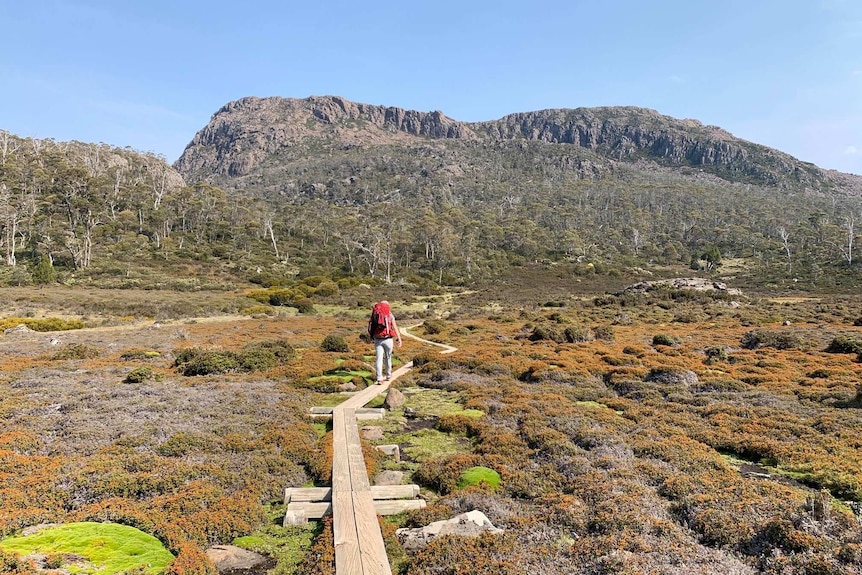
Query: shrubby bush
[[131, 354], [334, 343], [434, 326], [139, 374], [256, 359], [578, 334], [604, 332], [664, 339], [541, 333], [257, 356], [43, 324], [845, 344], [77, 351], [765, 338], [714, 354], [206, 362]]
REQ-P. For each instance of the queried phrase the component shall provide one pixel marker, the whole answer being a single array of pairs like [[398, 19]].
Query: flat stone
[[371, 432], [229, 557], [470, 524], [389, 478]]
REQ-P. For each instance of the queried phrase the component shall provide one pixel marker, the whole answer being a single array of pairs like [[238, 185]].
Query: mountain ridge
[[243, 133]]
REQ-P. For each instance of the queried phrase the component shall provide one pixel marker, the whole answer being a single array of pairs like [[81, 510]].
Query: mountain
[[244, 137], [273, 189]]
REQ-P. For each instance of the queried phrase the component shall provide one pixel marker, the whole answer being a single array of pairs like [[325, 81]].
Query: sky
[[149, 74]]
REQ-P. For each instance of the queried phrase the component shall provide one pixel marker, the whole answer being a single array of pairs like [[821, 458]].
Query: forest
[[447, 213]]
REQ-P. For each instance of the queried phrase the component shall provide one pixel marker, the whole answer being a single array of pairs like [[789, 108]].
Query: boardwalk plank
[[340, 456], [318, 509], [378, 492], [371, 546], [345, 537]]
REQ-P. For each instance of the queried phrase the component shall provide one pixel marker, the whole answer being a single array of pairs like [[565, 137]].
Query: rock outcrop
[[470, 524], [231, 558], [252, 134]]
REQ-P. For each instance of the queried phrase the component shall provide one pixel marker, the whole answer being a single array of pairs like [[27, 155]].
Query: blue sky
[[150, 73]]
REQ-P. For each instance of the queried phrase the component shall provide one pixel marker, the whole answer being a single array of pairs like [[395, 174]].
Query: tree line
[[442, 212]]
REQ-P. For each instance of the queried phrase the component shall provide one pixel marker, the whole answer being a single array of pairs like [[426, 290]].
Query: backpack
[[379, 326]]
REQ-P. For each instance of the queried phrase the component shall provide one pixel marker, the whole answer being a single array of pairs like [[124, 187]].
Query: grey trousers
[[383, 354]]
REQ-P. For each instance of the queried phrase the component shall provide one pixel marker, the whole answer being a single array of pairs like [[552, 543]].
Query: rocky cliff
[[245, 132], [249, 132]]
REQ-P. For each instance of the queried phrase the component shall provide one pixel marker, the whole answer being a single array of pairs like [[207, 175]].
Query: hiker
[[382, 329]]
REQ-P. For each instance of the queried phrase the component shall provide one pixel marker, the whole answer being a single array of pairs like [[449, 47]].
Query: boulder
[[394, 399], [19, 329], [389, 478], [229, 557], [470, 524], [371, 432]]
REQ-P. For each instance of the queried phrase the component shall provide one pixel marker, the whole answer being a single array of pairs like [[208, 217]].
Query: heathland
[[658, 328]]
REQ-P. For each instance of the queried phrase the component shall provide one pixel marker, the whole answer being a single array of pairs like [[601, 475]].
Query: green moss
[[474, 413], [287, 545], [427, 443], [110, 547], [479, 476]]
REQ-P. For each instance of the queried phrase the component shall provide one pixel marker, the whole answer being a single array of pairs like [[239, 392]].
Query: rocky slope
[[248, 133]]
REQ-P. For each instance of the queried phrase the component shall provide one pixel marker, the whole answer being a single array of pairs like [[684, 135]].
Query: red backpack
[[379, 325]]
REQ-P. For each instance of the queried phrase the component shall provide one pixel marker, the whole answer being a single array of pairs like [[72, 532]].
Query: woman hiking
[[382, 328]]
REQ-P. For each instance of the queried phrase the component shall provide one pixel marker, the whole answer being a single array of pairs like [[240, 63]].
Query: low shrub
[[304, 305], [434, 326], [664, 339], [542, 333], [77, 351], [206, 362], [714, 354], [139, 374], [765, 338], [578, 334], [280, 348], [43, 324], [131, 354], [334, 343], [604, 332], [845, 344], [256, 359]]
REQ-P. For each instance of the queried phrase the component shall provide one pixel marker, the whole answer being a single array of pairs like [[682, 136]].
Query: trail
[[359, 546]]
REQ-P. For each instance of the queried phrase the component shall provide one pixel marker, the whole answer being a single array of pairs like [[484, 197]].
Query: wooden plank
[[345, 537], [309, 494], [356, 461], [318, 494], [371, 546], [394, 491], [364, 396], [340, 456], [318, 509], [359, 410]]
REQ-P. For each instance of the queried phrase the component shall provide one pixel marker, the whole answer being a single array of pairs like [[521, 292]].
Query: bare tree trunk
[[785, 240]]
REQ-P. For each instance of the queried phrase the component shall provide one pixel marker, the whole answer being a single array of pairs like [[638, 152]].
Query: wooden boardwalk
[[359, 547]]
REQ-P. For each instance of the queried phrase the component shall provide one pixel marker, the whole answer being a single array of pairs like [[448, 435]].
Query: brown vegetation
[[710, 455]]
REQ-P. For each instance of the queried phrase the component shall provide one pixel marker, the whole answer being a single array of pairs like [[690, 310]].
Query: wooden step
[[362, 413], [316, 510], [378, 492]]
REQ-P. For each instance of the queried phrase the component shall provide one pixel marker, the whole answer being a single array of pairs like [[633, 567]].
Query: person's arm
[[397, 331]]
